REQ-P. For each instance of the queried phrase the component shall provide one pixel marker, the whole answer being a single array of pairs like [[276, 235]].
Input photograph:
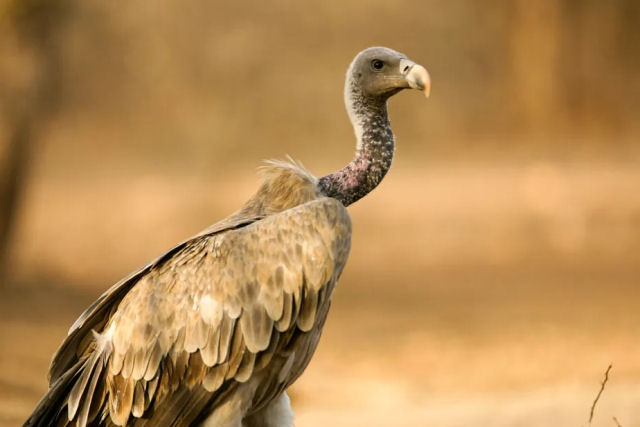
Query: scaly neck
[[374, 151]]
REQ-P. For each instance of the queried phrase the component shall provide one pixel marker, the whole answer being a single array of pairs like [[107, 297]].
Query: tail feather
[[88, 396], [73, 397], [84, 389], [52, 406]]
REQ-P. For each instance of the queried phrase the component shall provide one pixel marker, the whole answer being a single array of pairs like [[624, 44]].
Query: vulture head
[[379, 72]]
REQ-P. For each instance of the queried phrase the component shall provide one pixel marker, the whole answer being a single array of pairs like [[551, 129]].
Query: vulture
[[214, 331]]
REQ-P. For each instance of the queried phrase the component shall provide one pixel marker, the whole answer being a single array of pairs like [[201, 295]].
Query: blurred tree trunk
[[36, 25], [11, 185], [536, 29], [594, 81], [598, 64]]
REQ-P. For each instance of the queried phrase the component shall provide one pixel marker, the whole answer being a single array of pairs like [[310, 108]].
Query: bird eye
[[377, 65]]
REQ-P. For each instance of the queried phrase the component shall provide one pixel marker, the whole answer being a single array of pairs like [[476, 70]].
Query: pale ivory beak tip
[[418, 78]]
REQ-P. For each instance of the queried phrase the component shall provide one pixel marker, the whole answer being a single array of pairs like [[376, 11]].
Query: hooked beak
[[416, 75]]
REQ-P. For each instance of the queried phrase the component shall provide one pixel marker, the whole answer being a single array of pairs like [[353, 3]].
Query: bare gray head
[[379, 72], [374, 75]]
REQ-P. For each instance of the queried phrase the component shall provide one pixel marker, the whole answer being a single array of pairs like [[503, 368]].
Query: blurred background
[[493, 275]]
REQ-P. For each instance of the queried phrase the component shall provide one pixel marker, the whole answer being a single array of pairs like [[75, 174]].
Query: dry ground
[[488, 294]]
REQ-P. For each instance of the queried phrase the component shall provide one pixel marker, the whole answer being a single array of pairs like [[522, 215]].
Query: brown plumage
[[216, 329]]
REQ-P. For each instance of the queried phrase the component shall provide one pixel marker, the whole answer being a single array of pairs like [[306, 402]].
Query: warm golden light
[[493, 275]]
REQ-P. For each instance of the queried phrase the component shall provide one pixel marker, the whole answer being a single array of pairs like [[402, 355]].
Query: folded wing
[[209, 317]]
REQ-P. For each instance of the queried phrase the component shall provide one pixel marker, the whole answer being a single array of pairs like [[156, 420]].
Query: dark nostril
[[405, 69]]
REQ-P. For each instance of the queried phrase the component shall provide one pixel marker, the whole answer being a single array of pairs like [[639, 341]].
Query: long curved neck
[[374, 151]]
